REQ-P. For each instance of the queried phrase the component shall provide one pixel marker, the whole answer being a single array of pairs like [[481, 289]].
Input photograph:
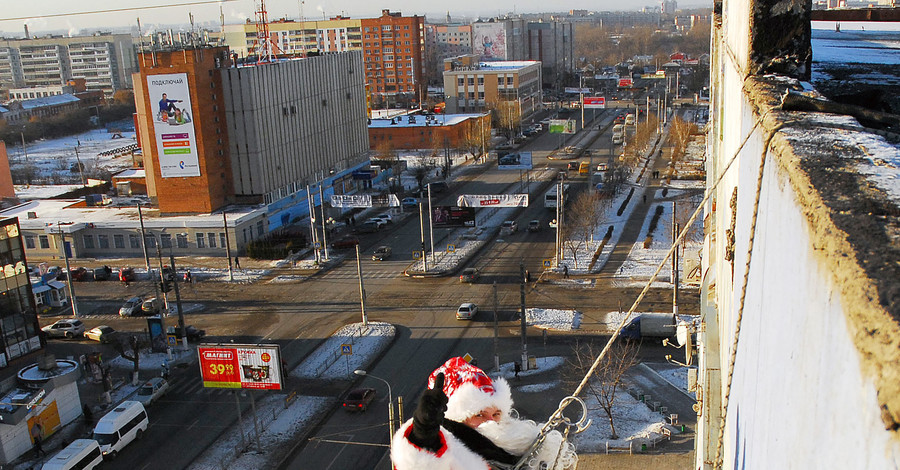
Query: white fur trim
[[406, 456], [468, 400]]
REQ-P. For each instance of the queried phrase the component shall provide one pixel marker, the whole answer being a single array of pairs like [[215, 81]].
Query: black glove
[[429, 414], [478, 443]]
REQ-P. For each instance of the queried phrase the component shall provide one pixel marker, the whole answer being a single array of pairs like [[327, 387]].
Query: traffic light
[[165, 285]]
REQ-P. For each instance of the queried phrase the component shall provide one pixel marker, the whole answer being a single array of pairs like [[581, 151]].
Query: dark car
[[193, 334], [359, 399], [469, 275], [572, 166], [346, 242], [102, 274], [79, 274], [439, 187], [126, 275], [369, 226]]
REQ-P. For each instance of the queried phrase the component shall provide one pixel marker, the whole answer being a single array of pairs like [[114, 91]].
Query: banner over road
[[364, 200], [492, 200]]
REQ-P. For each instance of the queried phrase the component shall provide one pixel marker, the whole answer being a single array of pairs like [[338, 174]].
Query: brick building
[[394, 54], [434, 131]]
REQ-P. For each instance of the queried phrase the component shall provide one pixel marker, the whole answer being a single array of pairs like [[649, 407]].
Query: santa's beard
[[517, 435]]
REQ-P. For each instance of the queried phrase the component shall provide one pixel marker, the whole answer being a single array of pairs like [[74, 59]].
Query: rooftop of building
[[414, 120]]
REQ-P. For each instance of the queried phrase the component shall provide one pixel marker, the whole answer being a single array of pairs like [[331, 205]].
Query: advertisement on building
[[492, 200], [176, 141], [514, 161], [452, 216], [241, 366], [489, 41], [364, 200], [594, 102]]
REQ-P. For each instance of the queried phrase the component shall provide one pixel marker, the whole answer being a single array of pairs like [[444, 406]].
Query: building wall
[[553, 45], [394, 48], [292, 123], [298, 37], [19, 328], [475, 86], [6, 183], [213, 189], [418, 137], [794, 316], [443, 41]]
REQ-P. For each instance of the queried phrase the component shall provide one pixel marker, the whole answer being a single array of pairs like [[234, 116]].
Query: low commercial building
[[431, 131], [474, 85]]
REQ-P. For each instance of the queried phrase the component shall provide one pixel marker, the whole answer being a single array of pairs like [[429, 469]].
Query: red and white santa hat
[[469, 390]]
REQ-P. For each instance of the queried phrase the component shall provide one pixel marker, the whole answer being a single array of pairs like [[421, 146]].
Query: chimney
[[26, 32]]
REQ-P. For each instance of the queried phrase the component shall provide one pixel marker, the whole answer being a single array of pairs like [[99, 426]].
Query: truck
[[650, 325]]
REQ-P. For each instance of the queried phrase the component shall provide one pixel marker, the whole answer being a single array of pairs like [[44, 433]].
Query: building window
[[471, 81], [119, 241], [165, 240], [29, 242], [134, 241], [222, 240], [460, 81], [201, 241], [88, 242], [480, 81], [45, 241], [509, 80], [259, 229], [149, 241], [212, 239], [181, 240], [103, 241]]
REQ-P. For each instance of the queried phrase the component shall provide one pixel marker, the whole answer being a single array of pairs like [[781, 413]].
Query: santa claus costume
[[436, 438]]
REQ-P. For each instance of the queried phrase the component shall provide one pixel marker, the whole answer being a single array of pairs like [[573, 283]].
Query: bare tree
[[475, 137], [133, 353], [680, 136], [509, 116], [425, 165], [609, 376]]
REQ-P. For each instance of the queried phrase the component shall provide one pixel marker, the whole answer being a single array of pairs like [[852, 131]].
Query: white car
[[509, 226], [466, 311], [64, 329], [387, 217], [378, 221], [152, 390], [102, 334]]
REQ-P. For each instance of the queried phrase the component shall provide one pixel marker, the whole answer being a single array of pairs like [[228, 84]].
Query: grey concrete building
[[553, 44]]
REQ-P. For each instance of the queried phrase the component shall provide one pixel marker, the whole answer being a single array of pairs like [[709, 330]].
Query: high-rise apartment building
[[104, 61], [394, 55], [552, 43], [444, 41], [500, 39], [297, 38]]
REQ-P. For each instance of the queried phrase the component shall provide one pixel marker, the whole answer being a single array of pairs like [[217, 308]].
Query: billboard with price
[[241, 366], [594, 102]]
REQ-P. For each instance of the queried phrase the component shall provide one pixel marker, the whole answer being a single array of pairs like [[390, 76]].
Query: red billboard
[[625, 83], [596, 102], [241, 366]]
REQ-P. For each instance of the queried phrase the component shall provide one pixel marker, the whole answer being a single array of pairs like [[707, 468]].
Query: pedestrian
[[165, 369], [37, 435], [518, 368], [187, 277], [464, 420], [566, 271], [237, 263], [645, 198], [527, 276]]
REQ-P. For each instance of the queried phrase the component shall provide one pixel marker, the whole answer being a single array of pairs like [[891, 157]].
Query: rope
[[737, 326], [558, 414]]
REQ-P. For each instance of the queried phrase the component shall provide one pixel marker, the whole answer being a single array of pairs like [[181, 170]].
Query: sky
[[237, 10]]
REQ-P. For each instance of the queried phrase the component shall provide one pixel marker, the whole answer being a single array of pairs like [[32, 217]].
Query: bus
[[550, 199]]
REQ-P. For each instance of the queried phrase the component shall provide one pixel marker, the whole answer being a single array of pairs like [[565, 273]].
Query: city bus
[[551, 197]]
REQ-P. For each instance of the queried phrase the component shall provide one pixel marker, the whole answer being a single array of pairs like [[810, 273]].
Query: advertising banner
[[594, 102], [176, 142], [492, 200], [574, 90], [514, 161], [364, 200], [241, 366], [625, 83], [562, 126], [452, 216], [489, 41]]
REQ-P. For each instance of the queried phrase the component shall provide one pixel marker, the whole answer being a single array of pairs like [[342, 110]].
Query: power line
[[117, 10]]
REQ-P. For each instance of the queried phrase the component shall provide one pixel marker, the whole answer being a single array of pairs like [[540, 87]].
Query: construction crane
[[265, 49]]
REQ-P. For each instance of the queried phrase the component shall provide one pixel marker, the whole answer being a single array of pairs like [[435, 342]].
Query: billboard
[[241, 366], [452, 216], [364, 200], [594, 102], [514, 161], [562, 126], [625, 83], [176, 141], [492, 200], [489, 41], [575, 90]]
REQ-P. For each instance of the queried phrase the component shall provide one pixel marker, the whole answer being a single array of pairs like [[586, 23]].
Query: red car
[[346, 242], [126, 275], [359, 399]]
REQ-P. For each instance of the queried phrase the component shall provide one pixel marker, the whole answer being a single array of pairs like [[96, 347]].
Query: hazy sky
[[237, 10]]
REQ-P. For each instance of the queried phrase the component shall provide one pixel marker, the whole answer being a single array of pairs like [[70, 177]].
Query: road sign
[[241, 366], [468, 358], [346, 349], [317, 245], [171, 340], [548, 263], [451, 248], [417, 255]]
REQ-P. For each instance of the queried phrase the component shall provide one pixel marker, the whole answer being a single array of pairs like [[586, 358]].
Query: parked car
[[79, 274], [439, 187], [102, 274], [64, 329], [381, 253], [152, 390], [469, 275], [151, 306], [346, 242], [132, 307], [194, 334], [534, 226], [126, 274], [466, 311], [409, 203], [509, 226], [102, 334], [378, 220], [387, 217], [369, 226], [359, 399], [571, 166]]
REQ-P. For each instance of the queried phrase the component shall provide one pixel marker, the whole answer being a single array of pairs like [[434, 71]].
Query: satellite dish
[[682, 333]]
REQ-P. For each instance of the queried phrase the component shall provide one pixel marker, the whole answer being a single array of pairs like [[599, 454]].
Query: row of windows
[[203, 240], [461, 81], [375, 36], [386, 27]]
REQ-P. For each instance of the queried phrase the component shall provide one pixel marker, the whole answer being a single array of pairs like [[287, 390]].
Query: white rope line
[[681, 235], [720, 443]]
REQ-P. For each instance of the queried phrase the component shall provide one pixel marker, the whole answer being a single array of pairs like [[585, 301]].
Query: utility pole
[[362, 289], [322, 213], [62, 241], [184, 341], [522, 321], [674, 262], [227, 246], [430, 224], [422, 233], [144, 240], [312, 222], [496, 331]]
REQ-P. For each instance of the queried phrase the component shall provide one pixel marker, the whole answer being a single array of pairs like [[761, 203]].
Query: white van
[[119, 427], [81, 454]]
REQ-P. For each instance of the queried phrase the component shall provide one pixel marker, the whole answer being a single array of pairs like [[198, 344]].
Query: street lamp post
[[390, 403]]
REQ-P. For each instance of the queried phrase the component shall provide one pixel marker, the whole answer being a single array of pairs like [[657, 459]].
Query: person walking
[[237, 263], [566, 271], [37, 435]]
